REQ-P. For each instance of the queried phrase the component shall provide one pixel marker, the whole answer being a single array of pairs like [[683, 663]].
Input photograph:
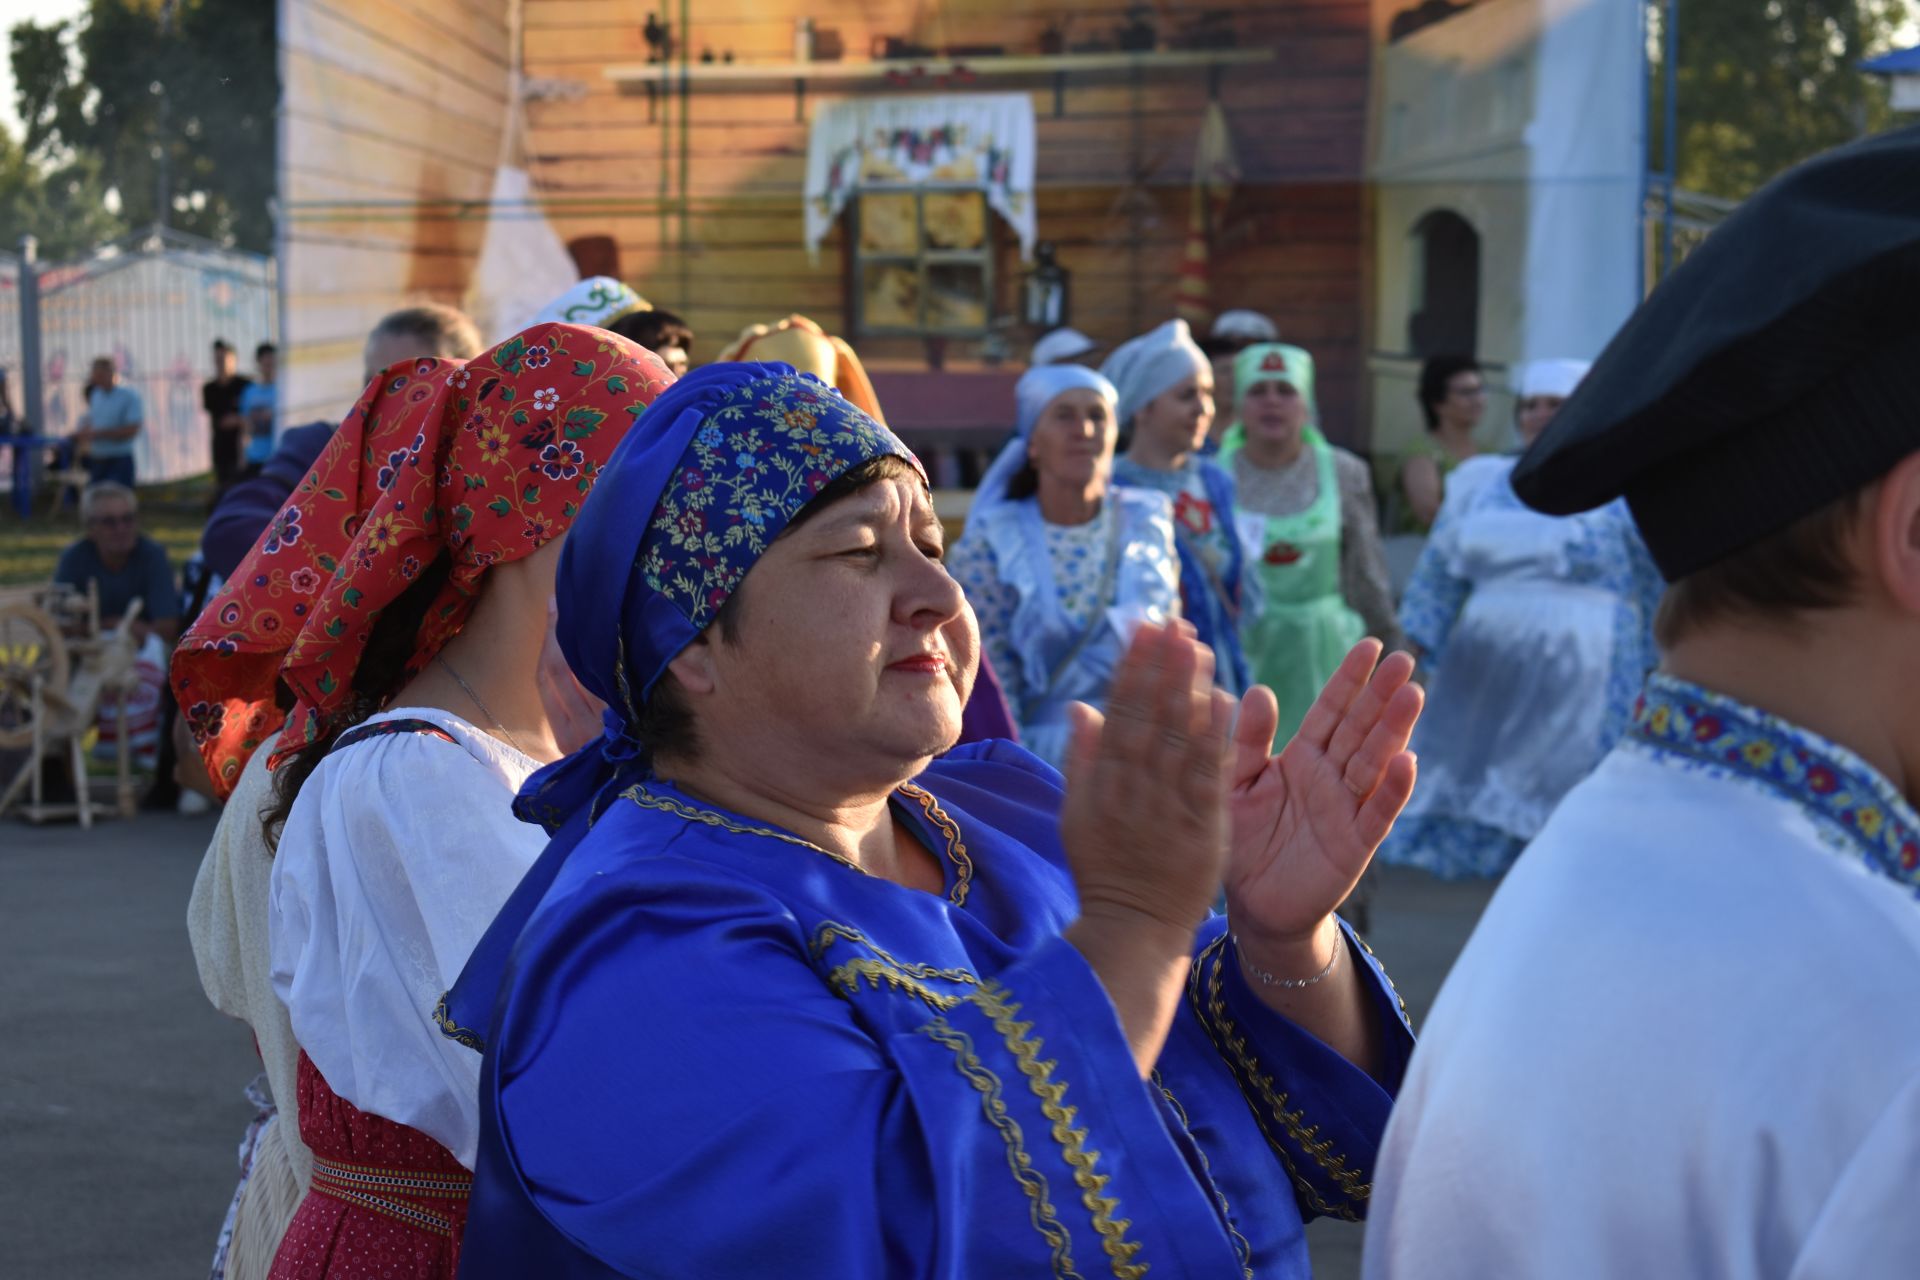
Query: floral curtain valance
[[983, 138]]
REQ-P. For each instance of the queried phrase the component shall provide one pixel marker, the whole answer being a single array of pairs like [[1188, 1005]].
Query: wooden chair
[[61, 718], [64, 481]]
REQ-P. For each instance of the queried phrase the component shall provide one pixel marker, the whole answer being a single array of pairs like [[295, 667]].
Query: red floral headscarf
[[488, 461]]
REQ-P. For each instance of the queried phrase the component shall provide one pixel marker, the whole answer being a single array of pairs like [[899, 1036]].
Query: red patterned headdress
[[487, 461]]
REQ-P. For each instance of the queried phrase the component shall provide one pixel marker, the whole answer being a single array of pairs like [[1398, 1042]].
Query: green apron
[[1304, 626]]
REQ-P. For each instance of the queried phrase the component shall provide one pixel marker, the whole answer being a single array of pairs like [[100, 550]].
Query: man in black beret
[[1685, 1038]]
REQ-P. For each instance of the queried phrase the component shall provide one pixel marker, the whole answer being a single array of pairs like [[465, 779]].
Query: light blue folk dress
[[1537, 634], [1058, 604]]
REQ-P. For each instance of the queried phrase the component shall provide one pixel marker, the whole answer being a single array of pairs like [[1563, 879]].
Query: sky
[[12, 11]]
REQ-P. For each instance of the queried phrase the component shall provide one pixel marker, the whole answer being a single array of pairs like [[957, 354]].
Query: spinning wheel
[[31, 649]]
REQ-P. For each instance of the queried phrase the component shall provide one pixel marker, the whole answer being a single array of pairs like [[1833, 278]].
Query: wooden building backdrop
[[395, 111]]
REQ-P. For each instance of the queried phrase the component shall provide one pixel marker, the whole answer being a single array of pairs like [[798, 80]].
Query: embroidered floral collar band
[[1844, 793]]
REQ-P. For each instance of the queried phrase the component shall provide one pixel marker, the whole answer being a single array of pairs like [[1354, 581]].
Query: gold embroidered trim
[[993, 1105], [454, 1031], [1304, 1189], [956, 850], [1398, 999], [1233, 1045], [885, 969], [1240, 1245], [992, 1000], [956, 847], [827, 933], [846, 979], [640, 795]]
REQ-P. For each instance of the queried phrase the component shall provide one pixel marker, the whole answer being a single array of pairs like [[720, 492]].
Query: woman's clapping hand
[[1307, 821], [1175, 789], [1145, 826], [1145, 817]]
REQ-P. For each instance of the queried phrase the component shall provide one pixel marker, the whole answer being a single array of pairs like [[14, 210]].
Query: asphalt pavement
[[120, 1087]]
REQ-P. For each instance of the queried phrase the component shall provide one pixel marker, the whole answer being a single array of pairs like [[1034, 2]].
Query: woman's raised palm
[[1306, 822]]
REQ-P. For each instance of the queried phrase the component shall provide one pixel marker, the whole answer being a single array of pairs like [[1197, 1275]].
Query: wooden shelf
[[651, 77]]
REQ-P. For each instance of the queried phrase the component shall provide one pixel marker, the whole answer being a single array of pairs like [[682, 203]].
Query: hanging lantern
[[1046, 301]]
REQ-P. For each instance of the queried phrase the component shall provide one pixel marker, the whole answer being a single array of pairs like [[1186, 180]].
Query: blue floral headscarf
[[703, 483], [694, 495]]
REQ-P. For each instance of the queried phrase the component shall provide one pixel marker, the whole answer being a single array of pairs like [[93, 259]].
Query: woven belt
[[380, 1190]]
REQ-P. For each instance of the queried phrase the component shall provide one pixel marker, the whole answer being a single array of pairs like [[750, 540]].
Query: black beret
[[1775, 371]]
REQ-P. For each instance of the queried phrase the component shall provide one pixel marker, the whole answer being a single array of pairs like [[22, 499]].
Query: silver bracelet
[[1289, 984]]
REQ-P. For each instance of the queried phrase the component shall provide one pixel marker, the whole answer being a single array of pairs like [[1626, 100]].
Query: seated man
[[123, 567], [123, 564]]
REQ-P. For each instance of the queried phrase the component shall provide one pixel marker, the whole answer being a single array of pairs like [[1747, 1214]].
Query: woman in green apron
[[1306, 521]]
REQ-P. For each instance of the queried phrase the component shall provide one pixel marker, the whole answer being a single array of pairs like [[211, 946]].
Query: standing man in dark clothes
[[221, 398], [245, 510]]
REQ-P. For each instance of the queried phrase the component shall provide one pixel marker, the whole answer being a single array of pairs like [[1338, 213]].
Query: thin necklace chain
[[468, 690]]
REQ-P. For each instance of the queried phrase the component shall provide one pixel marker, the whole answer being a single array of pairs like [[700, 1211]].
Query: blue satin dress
[[719, 1052]]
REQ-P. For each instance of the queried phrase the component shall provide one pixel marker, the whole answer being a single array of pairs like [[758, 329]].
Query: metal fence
[[1670, 234], [153, 303]]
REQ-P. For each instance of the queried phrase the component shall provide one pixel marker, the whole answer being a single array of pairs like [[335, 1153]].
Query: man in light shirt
[[111, 426], [258, 404]]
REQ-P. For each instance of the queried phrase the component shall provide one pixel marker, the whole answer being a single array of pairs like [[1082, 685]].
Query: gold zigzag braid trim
[[992, 1000], [1240, 1244], [1302, 1188], [454, 1031], [950, 830], [846, 979], [831, 930], [1306, 1136], [1398, 999], [993, 1105]]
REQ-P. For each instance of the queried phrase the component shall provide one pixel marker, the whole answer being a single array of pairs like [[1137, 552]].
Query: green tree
[[65, 211], [1764, 84], [150, 96]]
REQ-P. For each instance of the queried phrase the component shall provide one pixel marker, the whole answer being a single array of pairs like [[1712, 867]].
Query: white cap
[[1549, 377], [597, 300], [1152, 364], [1061, 344], [1245, 326]]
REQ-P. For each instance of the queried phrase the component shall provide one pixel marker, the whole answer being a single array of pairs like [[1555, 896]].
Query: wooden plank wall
[[1114, 171], [388, 104]]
